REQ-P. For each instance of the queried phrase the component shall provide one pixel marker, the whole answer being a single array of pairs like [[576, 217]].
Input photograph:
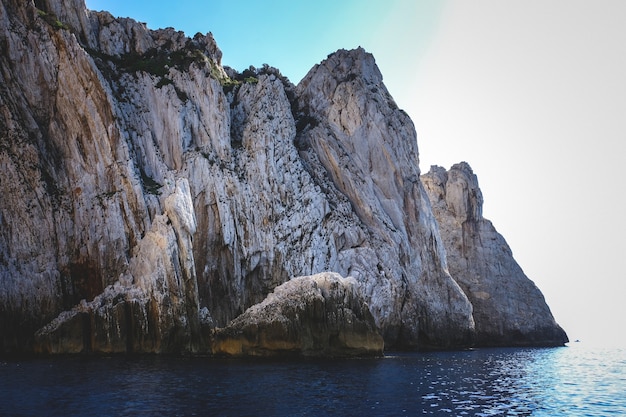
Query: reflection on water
[[486, 382]]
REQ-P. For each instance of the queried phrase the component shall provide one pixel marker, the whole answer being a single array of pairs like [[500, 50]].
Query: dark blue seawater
[[570, 381]]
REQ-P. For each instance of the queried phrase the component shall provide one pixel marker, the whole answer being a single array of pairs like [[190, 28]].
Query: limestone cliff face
[[362, 150], [150, 196], [509, 309], [94, 205]]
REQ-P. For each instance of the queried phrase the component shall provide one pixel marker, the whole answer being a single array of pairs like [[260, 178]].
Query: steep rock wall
[[361, 148], [509, 309], [90, 143]]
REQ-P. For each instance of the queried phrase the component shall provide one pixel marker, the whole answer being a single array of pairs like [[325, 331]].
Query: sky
[[531, 93]]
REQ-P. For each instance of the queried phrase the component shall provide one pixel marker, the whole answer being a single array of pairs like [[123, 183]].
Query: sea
[[576, 380]]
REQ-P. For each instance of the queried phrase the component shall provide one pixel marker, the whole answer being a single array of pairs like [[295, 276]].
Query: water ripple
[[574, 381]]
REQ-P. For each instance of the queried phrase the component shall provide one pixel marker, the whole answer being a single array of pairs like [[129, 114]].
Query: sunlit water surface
[[571, 381]]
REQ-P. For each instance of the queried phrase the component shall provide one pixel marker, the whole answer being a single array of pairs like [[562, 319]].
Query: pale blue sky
[[291, 35], [531, 93]]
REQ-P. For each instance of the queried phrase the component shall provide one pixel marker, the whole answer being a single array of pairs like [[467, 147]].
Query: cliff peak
[[355, 67], [352, 64], [459, 187]]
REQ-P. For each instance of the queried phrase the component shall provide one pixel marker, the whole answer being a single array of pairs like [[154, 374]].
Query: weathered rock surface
[[509, 310], [149, 195], [362, 151], [82, 209], [319, 315]]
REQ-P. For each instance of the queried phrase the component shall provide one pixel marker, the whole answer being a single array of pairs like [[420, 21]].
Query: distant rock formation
[[509, 310], [151, 196], [319, 315]]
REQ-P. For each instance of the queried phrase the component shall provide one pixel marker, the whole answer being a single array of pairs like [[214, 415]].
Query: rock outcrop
[[509, 310], [362, 150], [150, 195], [320, 315]]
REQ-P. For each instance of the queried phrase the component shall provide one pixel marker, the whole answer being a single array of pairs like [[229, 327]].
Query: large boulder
[[319, 315]]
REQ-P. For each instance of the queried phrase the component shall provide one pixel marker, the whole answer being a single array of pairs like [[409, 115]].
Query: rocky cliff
[[509, 310], [151, 196]]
